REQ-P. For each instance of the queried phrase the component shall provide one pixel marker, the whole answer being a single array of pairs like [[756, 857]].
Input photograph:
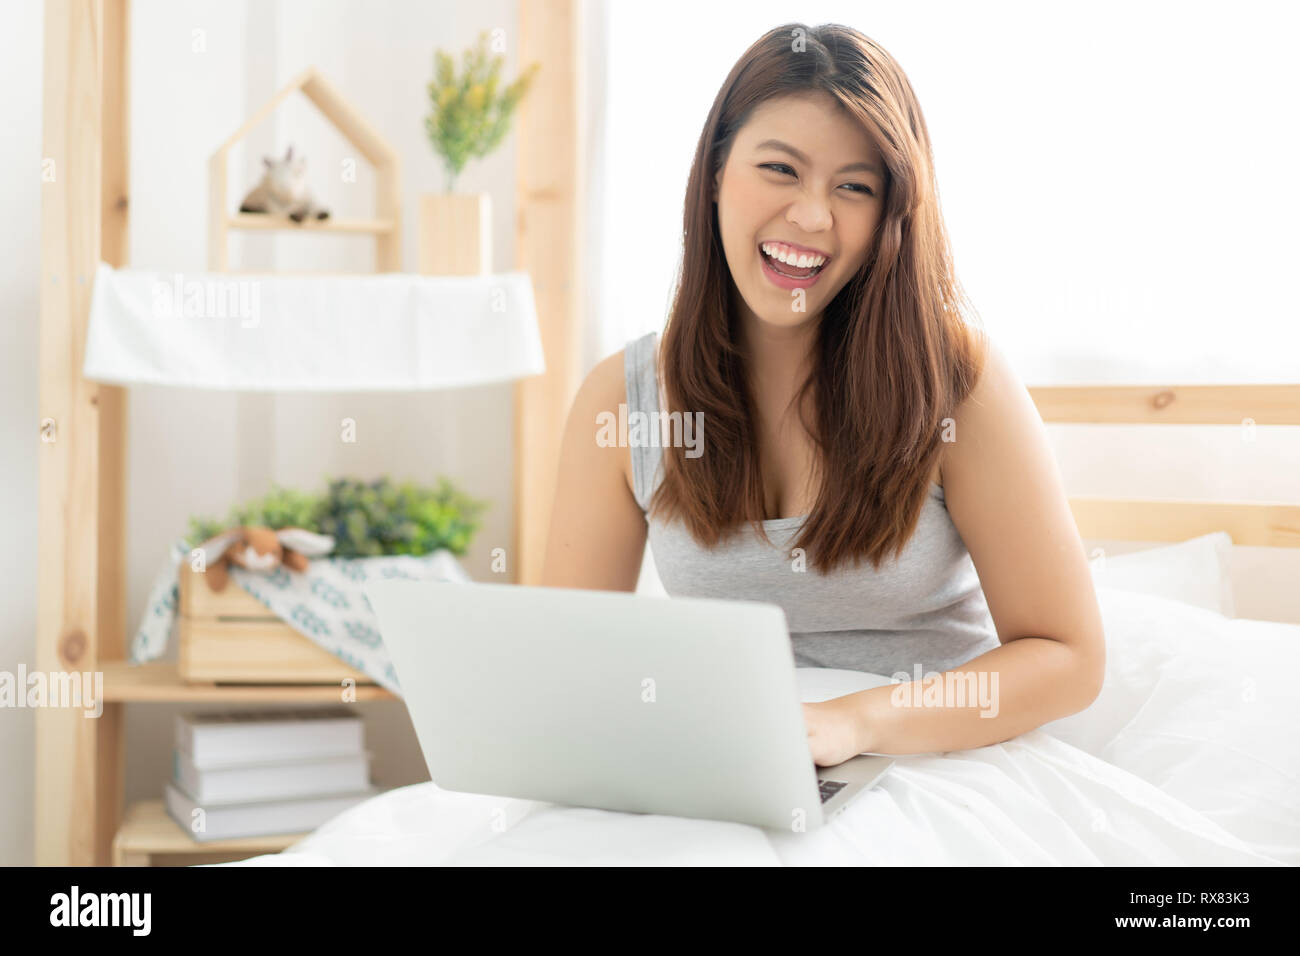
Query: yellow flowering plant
[[469, 117]]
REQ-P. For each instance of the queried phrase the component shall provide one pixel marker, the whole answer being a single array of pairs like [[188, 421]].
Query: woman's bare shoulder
[[606, 381], [602, 392]]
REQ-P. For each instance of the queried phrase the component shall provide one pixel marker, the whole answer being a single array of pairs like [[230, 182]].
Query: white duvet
[[1189, 756]]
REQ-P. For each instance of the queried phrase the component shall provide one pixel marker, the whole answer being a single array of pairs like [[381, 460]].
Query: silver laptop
[[688, 707]]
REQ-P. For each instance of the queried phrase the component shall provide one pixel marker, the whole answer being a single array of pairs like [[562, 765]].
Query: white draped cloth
[[383, 332]]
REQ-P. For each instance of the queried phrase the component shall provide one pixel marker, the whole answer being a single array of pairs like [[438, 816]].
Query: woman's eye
[[785, 170]]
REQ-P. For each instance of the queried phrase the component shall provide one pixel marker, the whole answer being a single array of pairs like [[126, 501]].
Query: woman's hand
[[835, 731]]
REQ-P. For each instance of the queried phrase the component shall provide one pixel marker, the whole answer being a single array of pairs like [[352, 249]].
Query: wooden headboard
[[1269, 524]]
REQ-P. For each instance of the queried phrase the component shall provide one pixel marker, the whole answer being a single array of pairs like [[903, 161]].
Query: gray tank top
[[924, 607]]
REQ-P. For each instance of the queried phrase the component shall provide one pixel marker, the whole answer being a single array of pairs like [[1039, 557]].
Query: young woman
[[869, 460]]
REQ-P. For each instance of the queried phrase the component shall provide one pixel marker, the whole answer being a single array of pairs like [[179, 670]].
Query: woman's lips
[[786, 282]]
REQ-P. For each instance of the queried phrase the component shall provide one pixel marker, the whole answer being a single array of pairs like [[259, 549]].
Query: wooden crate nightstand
[[232, 637]]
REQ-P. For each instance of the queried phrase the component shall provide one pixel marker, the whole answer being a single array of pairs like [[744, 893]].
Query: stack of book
[[250, 773]]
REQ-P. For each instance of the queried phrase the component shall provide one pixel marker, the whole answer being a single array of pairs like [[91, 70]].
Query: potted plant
[[469, 116], [365, 519], [275, 629]]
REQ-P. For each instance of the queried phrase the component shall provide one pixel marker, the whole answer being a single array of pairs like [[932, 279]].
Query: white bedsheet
[[1188, 757]]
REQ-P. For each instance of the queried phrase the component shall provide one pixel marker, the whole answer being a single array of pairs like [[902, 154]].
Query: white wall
[[21, 56], [1117, 178], [200, 452]]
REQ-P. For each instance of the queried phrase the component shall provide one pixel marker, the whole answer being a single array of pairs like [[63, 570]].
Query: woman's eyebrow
[[787, 148]]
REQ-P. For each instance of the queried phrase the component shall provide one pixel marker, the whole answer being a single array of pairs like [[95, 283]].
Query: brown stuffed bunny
[[260, 549]]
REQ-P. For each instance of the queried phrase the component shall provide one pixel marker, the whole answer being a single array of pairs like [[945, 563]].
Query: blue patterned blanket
[[325, 604]]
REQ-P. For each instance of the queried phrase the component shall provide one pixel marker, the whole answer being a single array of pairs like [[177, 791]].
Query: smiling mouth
[[789, 271]]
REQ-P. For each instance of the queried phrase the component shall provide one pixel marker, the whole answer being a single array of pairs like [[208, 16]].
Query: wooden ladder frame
[[81, 611], [81, 565]]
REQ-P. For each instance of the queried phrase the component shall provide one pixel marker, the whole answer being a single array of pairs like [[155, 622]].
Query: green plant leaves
[[468, 118], [366, 519]]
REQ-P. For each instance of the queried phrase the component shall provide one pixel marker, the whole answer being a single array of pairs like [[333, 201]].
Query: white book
[[245, 737], [321, 776], [231, 821]]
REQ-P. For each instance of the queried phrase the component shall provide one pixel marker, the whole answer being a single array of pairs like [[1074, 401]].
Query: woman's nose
[[811, 214]]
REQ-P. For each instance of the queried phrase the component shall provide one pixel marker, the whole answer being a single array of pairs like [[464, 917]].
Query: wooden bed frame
[[81, 616], [1266, 524]]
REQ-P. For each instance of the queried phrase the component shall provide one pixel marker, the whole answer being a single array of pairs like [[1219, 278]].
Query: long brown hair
[[894, 355]]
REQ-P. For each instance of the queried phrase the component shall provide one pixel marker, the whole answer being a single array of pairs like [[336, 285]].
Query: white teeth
[[792, 258]]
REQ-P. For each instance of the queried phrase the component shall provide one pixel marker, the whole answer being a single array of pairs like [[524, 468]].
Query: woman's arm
[[1001, 694], [598, 532], [1007, 501]]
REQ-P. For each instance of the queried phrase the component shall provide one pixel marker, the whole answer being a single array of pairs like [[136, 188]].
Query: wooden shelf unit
[[81, 606], [261, 222], [385, 226], [160, 682], [149, 837]]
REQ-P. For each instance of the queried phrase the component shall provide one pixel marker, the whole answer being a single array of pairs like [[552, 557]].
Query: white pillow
[[1203, 708], [1195, 572]]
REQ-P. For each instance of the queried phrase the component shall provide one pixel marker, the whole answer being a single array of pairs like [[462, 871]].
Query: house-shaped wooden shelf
[[386, 226]]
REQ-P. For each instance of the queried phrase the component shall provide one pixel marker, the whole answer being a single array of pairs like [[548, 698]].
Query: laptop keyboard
[[829, 788]]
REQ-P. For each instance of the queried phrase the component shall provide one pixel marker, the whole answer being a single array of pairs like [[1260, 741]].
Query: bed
[[1187, 757]]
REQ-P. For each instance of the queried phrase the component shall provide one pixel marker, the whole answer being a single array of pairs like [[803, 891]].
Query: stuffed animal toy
[[284, 191], [260, 549]]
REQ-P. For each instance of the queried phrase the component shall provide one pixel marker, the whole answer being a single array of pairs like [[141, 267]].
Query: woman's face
[[802, 179]]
